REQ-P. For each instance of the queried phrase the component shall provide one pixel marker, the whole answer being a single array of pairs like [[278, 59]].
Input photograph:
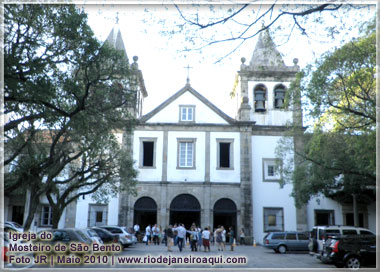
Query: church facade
[[198, 165]]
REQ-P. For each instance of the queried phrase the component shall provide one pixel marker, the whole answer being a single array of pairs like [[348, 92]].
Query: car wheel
[[353, 262], [282, 249]]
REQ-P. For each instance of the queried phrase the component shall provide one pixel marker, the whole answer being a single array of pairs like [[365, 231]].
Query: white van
[[320, 234]]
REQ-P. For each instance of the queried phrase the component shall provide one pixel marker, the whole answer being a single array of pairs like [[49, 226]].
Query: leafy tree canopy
[[66, 95], [338, 157]]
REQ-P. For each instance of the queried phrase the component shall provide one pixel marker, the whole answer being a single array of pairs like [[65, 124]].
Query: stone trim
[[231, 142], [186, 140], [164, 176], [180, 114], [189, 89], [141, 155]]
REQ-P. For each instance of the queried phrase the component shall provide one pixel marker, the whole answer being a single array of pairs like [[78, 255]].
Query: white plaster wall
[[272, 116], [148, 174], [197, 174], [372, 217], [224, 175], [203, 114], [36, 225], [268, 194], [81, 217], [324, 204]]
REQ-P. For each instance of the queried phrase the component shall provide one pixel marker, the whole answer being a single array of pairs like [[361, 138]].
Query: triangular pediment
[[204, 111]]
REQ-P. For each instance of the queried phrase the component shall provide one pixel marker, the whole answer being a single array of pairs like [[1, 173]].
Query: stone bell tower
[[264, 83]]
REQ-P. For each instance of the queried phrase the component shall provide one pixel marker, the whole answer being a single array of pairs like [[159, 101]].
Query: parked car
[[281, 242], [320, 234], [14, 225], [351, 251], [5, 253], [125, 238], [106, 236], [95, 238]]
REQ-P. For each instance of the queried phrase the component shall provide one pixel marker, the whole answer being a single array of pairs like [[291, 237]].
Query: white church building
[[197, 164]]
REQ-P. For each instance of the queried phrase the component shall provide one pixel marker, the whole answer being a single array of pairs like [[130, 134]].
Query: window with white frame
[[271, 171], [186, 153], [46, 216], [186, 113], [273, 219], [225, 153]]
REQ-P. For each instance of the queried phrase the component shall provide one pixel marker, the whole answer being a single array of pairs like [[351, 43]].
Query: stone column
[[206, 216], [246, 178]]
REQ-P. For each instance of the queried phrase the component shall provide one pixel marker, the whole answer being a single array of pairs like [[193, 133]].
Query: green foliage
[[338, 158], [66, 94]]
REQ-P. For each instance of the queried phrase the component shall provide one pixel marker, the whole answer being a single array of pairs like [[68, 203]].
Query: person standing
[[156, 233], [193, 238], [231, 237], [181, 235], [199, 242], [218, 238], [148, 234], [169, 237], [136, 228], [224, 238], [206, 239], [242, 237]]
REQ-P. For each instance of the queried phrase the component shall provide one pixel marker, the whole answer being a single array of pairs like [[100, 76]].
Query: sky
[[155, 33]]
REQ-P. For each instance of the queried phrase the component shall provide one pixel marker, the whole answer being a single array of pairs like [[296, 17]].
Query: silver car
[[125, 238], [281, 242]]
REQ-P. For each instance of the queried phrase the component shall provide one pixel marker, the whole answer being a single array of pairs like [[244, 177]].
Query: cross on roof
[[188, 72]]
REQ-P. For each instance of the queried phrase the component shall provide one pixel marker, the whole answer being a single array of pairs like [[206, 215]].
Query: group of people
[[178, 235]]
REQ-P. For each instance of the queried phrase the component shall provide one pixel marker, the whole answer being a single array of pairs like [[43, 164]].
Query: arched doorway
[[185, 209], [225, 214], [145, 212]]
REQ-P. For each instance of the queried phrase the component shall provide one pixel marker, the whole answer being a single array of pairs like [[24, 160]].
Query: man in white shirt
[[180, 236], [136, 228], [206, 239], [148, 234]]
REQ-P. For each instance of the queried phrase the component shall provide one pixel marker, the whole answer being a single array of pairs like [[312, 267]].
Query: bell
[[259, 106], [279, 103], [259, 95], [279, 95]]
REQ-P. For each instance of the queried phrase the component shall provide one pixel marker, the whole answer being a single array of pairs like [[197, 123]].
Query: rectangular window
[[186, 153], [271, 170], [97, 215], [46, 216], [225, 153], [148, 152], [350, 219], [273, 219], [186, 113], [324, 217]]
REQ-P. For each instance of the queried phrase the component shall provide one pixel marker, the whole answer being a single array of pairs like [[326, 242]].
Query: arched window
[[279, 96], [260, 94]]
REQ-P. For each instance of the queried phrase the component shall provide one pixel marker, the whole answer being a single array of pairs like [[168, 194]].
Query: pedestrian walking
[[219, 238], [181, 236], [199, 242]]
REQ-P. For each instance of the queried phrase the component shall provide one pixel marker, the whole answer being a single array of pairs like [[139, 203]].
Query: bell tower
[[264, 82]]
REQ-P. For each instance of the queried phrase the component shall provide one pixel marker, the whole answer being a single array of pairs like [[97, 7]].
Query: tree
[[66, 95], [338, 157], [238, 23]]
